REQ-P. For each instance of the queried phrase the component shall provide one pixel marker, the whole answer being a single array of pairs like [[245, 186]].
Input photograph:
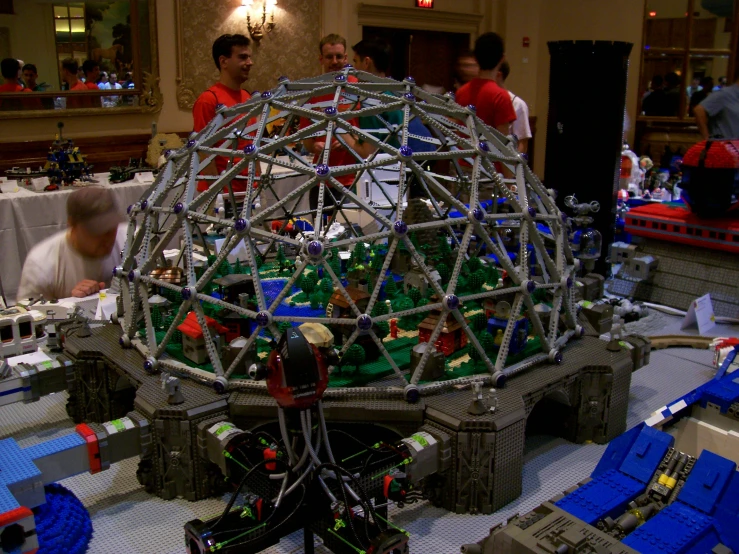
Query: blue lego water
[[63, 524]]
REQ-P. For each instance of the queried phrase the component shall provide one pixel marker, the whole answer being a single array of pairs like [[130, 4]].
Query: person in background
[[70, 70], [91, 70], [694, 87], [232, 57], [332, 57], [10, 67], [494, 105], [103, 83], [520, 127], [700, 95], [80, 260], [671, 105], [30, 78], [721, 84], [718, 115], [466, 69]]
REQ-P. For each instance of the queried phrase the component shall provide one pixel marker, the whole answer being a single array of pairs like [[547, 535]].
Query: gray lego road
[[127, 519]]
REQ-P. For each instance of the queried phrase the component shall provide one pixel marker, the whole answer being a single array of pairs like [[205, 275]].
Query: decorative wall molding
[[290, 49], [371, 15]]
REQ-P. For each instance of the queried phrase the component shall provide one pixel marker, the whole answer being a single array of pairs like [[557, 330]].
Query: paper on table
[[701, 314], [145, 177], [40, 183], [33, 358]]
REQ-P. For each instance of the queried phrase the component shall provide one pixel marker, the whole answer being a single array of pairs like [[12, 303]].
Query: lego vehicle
[[669, 485], [19, 331]]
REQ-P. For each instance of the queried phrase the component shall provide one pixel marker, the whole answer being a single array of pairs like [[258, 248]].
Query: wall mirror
[[690, 50], [51, 37]]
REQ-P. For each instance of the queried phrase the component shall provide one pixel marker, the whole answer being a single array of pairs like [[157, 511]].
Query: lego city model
[[414, 433]]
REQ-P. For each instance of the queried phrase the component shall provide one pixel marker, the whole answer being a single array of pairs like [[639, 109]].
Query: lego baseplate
[[127, 519]]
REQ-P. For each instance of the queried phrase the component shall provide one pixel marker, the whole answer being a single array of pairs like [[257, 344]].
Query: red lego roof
[[191, 327], [721, 154]]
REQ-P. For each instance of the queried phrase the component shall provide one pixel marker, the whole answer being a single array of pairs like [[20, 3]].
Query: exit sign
[[429, 4]]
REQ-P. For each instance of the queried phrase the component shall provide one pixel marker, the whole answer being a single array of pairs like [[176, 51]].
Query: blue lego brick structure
[[707, 482], [520, 332], [20, 479], [726, 515], [63, 524], [646, 453], [617, 451], [675, 529], [722, 392], [602, 497], [54, 446]]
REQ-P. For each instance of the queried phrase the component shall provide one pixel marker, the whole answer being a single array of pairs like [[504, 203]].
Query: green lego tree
[[308, 282], [444, 272], [359, 254], [443, 248], [315, 300], [492, 275], [476, 280], [238, 269], [281, 259], [225, 268], [487, 341], [380, 308], [382, 329], [354, 355], [414, 294], [478, 322], [335, 262], [473, 353], [391, 289], [156, 318], [474, 264]]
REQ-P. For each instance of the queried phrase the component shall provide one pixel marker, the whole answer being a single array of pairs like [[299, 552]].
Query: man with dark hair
[[30, 77], [373, 56], [493, 104], [79, 261], [10, 67], [706, 88], [91, 69], [520, 128], [70, 68], [232, 57]]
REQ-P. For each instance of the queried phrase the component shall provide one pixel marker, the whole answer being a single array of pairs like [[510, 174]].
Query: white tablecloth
[[27, 218]]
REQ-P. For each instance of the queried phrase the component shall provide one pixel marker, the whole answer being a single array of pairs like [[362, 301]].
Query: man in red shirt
[[70, 67], [10, 68], [332, 57], [493, 103], [91, 69], [232, 56]]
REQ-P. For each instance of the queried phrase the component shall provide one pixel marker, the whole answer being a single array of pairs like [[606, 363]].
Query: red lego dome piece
[[713, 154]]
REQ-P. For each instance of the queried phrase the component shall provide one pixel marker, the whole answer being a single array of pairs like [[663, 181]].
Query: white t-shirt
[[520, 127], [53, 267]]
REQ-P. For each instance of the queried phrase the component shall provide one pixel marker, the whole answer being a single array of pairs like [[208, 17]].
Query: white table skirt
[[27, 218]]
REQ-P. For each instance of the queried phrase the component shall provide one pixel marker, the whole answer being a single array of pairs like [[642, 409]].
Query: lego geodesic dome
[[440, 235]]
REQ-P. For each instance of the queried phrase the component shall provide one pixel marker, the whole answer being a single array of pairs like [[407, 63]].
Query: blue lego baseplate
[[16, 467], [54, 446]]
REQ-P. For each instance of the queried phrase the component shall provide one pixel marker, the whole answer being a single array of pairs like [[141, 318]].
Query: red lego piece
[[93, 449], [676, 224], [722, 154], [270, 454], [191, 327], [14, 515], [386, 485]]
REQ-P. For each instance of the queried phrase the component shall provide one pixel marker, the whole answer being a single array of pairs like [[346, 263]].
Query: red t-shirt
[[205, 109], [91, 86], [13, 87], [13, 104], [494, 105], [338, 156]]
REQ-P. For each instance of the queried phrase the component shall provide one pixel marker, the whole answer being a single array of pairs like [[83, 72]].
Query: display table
[[27, 218]]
